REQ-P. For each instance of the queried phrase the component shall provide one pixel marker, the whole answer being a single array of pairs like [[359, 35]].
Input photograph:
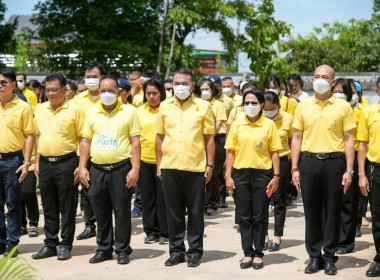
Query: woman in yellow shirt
[[152, 197], [212, 188], [283, 122], [252, 149], [350, 215]]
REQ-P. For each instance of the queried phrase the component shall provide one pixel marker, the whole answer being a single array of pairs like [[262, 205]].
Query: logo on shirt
[[260, 146], [106, 141], [334, 125]]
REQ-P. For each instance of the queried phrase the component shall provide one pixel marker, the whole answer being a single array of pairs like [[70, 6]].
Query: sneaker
[[163, 240], [151, 239], [136, 213]]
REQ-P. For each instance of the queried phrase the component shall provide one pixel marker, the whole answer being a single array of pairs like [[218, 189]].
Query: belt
[[374, 164], [58, 158], [109, 167], [323, 155], [11, 154]]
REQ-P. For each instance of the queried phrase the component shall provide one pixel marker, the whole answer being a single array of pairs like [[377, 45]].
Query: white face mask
[[340, 95], [273, 90], [108, 98], [227, 91], [354, 100], [252, 110], [321, 86], [20, 85], [282, 92], [181, 91], [270, 114], [206, 95], [92, 83]]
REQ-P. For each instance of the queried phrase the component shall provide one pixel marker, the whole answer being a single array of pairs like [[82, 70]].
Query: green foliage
[[7, 42], [16, 268], [121, 34]]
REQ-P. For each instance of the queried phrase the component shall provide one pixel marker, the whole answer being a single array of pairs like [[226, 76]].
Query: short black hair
[[72, 85], [168, 81], [378, 82], [283, 82], [295, 77], [227, 79], [210, 84], [117, 74], [151, 73], [259, 95], [184, 71], [252, 86], [347, 90], [9, 73], [21, 74], [272, 79], [197, 90], [35, 84], [94, 64], [271, 97], [56, 76], [112, 78], [80, 81], [158, 84]]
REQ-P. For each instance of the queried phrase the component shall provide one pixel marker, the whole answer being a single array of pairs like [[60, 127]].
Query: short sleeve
[[220, 112], [87, 129], [231, 139], [159, 124], [134, 125], [79, 121], [291, 130], [208, 121], [363, 131], [348, 120], [298, 121], [274, 138], [232, 116], [28, 124]]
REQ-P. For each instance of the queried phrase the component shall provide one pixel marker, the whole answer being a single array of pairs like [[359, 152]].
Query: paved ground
[[220, 261]]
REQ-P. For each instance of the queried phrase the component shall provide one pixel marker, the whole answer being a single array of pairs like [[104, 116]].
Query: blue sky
[[302, 14]]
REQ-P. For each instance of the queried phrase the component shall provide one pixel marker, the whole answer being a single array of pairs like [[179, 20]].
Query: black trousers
[[153, 201], [89, 215], [252, 208], [322, 192], [349, 213], [59, 198], [213, 188], [29, 201], [184, 190], [362, 208], [279, 197], [374, 197], [108, 192]]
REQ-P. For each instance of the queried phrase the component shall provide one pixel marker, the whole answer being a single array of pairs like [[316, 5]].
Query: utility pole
[[237, 46], [171, 52], [161, 47]]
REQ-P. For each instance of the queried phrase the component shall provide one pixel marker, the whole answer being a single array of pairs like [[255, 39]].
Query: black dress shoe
[[343, 251], [265, 246], [274, 247], [330, 268], [163, 240], [358, 232], [9, 249], [174, 260], [44, 253], [257, 265], [244, 265], [101, 256], [374, 271], [87, 233], [151, 239], [3, 248], [193, 261], [223, 205], [314, 266], [64, 253], [123, 258], [210, 212]]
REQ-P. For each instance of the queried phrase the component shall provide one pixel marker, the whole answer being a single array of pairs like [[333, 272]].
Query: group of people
[[182, 147]]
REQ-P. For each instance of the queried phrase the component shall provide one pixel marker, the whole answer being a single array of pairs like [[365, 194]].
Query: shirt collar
[[331, 100], [64, 105], [259, 122], [89, 96], [13, 101], [150, 109], [175, 100], [118, 107]]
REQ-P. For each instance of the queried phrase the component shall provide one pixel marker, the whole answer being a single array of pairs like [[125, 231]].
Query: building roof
[[208, 52], [24, 23]]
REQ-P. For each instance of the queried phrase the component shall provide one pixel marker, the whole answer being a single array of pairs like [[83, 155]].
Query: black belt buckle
[[107, 167], [320, 156], [52, 159]]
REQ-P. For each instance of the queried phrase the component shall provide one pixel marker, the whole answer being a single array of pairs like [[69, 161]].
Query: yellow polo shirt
[[228, 103], [301, 95], [58, 130], [288, 104], [184, 127], [16, 120], [284, 124], [31, 96], [369, 131], [237, 100], [85, 100], [357, 112], [323, 124], [147, 118], [236, 113], [110, 133], [138, 99], [219, 114], [253, 143]]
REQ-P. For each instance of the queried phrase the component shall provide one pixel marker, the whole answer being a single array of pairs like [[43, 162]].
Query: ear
[[192, 86], [333, 82]]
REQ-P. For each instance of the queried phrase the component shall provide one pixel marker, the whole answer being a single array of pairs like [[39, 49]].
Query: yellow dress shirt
[[323, 124], [184, 128], [253, 143], [85, 101], [237, 100], [110, 133], [219, 114], [16, 120]]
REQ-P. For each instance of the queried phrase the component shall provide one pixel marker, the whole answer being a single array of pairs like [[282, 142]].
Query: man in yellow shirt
[[185, 130], [94, 71], [21, 84], [111, 138], [323, 132], [369, 173], [59, 128], [228, 88], [16, 133], [296, 81]]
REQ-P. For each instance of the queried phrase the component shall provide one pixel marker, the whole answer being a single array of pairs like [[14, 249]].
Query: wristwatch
[[212, 166], [351, 172], [276, 175], [27, 163]]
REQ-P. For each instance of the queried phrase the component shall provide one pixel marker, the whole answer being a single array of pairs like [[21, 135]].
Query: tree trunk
[[171, 52], [160, 49]]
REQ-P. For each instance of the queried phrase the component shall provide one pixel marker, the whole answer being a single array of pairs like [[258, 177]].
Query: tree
[[7, 42], [121, 34]]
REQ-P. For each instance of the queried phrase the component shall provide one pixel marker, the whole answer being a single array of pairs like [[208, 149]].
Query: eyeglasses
[[4, 83], [246, 103], [53, 90]]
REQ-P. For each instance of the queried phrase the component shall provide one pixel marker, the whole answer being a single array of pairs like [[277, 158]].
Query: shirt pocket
[[13, 122], [65, 127]]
